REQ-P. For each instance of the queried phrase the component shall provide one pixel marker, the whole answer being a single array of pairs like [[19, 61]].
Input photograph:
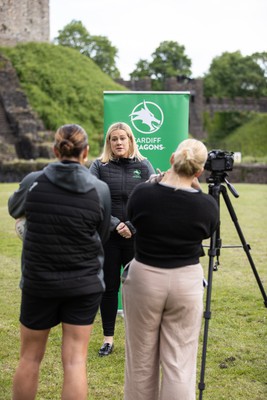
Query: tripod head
[[218, 162], [215, 180]]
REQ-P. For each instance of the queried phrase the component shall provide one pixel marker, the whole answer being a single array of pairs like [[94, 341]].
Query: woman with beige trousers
[[163, 291]]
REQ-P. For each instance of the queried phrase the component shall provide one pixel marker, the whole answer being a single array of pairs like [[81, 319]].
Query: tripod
[[215, 189]]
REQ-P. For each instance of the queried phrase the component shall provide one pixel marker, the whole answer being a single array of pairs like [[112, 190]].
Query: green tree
[[98, 48], [142, 70], [104, 55], [168, 60], [261, 59], [233, 75], [75, 35]]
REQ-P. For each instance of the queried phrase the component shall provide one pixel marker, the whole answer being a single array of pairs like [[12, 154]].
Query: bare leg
[[74, 356], [33, 344]]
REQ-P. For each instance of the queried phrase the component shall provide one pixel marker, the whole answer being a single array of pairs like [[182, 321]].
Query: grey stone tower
[[24, 21]]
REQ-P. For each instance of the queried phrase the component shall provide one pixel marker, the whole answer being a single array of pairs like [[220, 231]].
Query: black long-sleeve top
[[171, 224]]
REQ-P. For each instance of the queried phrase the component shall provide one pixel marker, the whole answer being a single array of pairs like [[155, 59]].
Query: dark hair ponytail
[[70, 140]]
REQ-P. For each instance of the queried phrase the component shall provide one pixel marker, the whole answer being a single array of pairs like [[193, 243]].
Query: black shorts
[[43, 313]]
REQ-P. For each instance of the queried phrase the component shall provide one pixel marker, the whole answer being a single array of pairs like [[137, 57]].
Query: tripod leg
[[214, 191], [207, 313], [246, 247]]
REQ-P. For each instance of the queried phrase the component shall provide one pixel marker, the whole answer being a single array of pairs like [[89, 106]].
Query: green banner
[[159, 120]]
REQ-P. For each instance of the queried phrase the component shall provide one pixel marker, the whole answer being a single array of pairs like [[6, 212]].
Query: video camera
[[219, 160]]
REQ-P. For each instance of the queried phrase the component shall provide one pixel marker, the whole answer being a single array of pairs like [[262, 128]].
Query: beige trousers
[[162, 311]]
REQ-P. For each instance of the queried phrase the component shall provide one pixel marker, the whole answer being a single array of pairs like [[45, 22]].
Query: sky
[[206, 28]]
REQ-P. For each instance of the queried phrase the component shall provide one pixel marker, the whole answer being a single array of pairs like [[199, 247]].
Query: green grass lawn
[[236, 364]]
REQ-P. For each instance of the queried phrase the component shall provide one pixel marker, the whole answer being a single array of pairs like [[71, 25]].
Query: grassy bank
[[236, 354]]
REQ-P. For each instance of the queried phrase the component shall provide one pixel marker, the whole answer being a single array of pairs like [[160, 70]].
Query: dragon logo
[[137, 173], [147, 117]]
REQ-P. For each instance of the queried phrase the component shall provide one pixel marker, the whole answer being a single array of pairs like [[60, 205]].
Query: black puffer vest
[[63, 252]]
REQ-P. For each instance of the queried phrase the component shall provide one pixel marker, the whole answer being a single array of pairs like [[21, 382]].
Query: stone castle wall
[[24, 21]]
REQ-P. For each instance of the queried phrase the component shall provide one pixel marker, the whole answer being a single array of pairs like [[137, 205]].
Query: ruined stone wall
[[24, 21], [241, 104]]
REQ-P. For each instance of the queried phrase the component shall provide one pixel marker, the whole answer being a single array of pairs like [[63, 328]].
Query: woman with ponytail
[[67, 222]]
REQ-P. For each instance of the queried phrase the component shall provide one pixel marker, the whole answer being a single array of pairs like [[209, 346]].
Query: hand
[[154, 178], [123, 230]]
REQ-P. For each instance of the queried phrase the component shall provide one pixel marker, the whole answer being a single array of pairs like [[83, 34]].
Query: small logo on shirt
[[137, 174]]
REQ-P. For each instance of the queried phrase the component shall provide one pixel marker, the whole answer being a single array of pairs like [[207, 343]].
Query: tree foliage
[[261, 60], [104, 55], [222, 124], [142, 70], [74, 35], [98, 48], [233, 75], [168, 60]]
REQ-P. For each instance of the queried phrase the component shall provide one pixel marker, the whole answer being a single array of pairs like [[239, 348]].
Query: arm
[[114, 222], [94, 169], [105, 200], [150, 168], [16, 202], [130, 206]]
